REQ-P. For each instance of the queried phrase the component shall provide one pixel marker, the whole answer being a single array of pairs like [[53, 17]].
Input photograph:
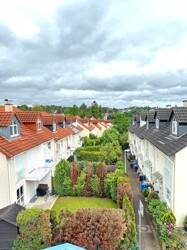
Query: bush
[[145, 192], [95, 185], [152, 195]]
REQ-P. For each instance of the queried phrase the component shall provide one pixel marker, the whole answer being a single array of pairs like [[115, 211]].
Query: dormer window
[[174, 127], [14, 129], [54, 127], [39, 124], [157, 123]]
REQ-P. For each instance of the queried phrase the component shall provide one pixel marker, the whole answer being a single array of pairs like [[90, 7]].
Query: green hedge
[[90, 156], [90, 148]]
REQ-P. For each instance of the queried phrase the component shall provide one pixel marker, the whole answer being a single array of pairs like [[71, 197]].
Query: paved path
[[43, 203], [149, 240]]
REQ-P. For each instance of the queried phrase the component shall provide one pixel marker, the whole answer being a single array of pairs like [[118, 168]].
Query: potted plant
[[185, 223]]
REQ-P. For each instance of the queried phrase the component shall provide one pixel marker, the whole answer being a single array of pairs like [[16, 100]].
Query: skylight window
[[161, 142]]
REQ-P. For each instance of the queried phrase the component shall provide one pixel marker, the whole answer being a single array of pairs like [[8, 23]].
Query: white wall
[[180, 181]]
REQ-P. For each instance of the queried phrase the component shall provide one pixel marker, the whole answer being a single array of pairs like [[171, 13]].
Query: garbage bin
[[143, 185]]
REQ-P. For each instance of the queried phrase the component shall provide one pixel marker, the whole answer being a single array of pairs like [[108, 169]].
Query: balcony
[[37, 174]]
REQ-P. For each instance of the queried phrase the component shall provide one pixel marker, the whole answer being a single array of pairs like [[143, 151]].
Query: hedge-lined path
[[149, 240]]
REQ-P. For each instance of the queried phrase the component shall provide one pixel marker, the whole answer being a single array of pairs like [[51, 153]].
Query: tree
[[62, 174], [95, 110], [121, 122], [110, 152], [23, 107], [109, 136]]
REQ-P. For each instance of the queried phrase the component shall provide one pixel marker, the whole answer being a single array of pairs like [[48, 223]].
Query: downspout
[[9, 183]]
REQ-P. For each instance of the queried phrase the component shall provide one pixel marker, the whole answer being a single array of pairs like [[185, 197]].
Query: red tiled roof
[[62, 132], [91, 127], [70, 119], [48, 120], [28, 140], [28, 116], [43, 113], [96, 125], [79, 128], [60, 118], [6, 118]]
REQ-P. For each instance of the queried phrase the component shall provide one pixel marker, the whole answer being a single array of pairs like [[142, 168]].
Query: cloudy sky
[[117, 52]]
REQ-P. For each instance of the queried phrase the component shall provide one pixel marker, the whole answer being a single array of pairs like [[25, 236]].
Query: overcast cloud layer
[[119, 53]]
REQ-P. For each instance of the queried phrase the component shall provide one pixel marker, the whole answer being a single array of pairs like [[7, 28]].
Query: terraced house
[[31, 144], [159, 141]]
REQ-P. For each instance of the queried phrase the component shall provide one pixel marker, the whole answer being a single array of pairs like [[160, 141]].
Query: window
[[20, 196], [49, 145], [39, 124], [54, 127], [157, 123], [14, 129], [174, 127], [168, 196], [61, 143]]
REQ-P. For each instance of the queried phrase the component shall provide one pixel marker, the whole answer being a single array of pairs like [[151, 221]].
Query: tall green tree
[[62, 182], [121, 122], [110, 136]]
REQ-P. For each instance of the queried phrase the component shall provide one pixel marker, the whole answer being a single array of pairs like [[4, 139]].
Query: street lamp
[[125, 152]]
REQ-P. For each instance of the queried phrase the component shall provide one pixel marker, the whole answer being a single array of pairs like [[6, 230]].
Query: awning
[[37, 174], [157, 175]]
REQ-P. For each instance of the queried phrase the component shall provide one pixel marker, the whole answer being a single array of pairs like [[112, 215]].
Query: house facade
[[158, 140], [31, 145]]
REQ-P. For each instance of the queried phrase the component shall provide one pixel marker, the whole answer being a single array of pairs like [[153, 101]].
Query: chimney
[[8, 105], [185, 103]]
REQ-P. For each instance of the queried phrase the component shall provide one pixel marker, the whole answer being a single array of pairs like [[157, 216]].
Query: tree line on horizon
[[94, 110]]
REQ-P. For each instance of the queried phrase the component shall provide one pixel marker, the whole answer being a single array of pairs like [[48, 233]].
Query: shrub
[[152, 195], [95, 185], [26, 216], [123, 189], [62, 172], [168, 217], [81, 182], [94, 228], [145, 192]]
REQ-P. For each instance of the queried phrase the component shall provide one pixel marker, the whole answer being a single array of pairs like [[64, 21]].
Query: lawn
[[74, 203]]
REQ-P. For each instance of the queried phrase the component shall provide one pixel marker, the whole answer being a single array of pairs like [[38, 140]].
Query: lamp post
[[125, 152]]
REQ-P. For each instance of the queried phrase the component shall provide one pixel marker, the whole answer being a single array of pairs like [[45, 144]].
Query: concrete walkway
[[43, 202], [149, 240]]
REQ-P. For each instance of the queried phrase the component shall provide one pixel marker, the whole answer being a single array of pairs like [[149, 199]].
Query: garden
[[163, 221], [94, 210]]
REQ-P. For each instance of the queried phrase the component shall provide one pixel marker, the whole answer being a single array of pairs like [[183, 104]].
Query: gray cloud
[[110, 52]]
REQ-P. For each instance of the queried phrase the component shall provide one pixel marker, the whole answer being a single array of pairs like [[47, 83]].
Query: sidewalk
[[149, 240]]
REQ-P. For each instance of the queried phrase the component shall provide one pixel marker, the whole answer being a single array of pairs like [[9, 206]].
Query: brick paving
[[149, 240]]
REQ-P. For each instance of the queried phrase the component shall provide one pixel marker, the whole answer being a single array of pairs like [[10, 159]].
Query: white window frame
[[39, 124], [14, 129], [157, 123], [174, 126], [54, 127]]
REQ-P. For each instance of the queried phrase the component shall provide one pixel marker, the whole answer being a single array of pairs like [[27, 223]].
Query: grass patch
[[74, 203]]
